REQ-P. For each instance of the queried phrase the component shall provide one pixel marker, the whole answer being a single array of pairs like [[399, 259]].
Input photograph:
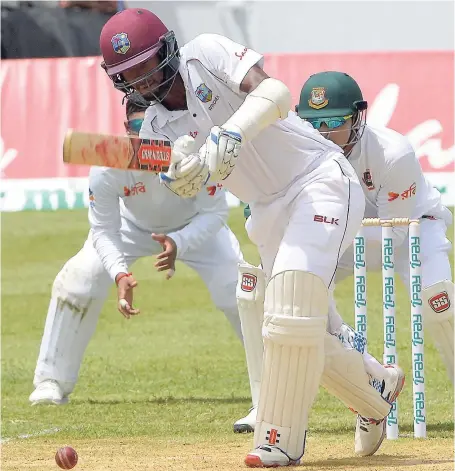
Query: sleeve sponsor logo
[[91, 198], [133, 190], [211, 190], [409, 193]]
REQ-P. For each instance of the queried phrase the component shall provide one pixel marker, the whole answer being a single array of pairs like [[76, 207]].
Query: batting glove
[[220, 152], [187, 173]]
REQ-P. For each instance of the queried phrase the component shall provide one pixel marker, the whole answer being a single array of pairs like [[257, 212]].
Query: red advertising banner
[[411, 92], [41, 99]]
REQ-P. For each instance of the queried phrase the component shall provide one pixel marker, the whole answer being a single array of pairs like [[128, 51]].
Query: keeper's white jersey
[[392, 179], [212, 68]]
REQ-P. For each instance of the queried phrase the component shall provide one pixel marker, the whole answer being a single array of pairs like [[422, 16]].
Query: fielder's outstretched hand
[[166, 259], [125, 284]]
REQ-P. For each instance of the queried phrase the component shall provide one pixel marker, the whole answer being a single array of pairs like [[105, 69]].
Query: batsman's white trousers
[[312, 224], [82, 286]]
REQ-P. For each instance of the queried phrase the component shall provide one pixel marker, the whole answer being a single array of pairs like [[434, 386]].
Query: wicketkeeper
[[394, 187]]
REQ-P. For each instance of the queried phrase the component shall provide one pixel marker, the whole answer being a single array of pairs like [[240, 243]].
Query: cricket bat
[[122, 152]]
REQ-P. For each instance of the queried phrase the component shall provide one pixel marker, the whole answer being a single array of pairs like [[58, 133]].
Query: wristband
[[121, 276]]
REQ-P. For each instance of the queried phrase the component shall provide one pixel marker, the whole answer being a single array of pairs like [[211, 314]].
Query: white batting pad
[[294, 328], [250, 302], [438, 314], [298, 294], [345, 377]]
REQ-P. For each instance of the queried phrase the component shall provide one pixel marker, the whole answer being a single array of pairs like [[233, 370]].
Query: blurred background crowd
[[53, 28]]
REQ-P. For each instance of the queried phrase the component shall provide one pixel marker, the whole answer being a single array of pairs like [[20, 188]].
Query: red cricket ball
[[66, 457]]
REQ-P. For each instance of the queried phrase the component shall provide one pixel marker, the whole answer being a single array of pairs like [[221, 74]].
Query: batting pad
[[438, 319], [293, 332], [345, 377], [250, 302]]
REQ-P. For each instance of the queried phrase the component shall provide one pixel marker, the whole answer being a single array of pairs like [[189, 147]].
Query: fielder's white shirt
[[149, 206], [393, 181], [212, 68]]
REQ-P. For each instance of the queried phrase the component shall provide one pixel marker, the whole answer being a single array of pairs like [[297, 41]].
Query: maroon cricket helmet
[[133, 36]]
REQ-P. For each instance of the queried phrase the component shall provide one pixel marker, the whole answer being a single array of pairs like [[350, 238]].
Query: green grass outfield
[[162, 390]]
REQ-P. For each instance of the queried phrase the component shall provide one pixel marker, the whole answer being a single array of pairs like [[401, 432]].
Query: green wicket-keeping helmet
[[333, 97]]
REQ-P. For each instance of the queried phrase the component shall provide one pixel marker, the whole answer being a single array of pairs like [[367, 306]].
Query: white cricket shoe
[[246, 424], [370, 433], [268, 456], [48, 392]]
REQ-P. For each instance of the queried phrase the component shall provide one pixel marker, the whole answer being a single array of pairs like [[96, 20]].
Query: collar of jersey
[[163, 115]]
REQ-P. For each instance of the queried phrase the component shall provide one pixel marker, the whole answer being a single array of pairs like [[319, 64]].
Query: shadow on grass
[[382, 461], [163, 400], [439, 427], [406, 430]]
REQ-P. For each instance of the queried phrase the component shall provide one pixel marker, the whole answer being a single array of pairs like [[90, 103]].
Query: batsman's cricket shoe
[[247, 423], [370, 433], [268, 456], [48, 392]]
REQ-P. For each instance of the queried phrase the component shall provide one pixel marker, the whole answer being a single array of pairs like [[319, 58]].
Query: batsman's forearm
[[268, 102]]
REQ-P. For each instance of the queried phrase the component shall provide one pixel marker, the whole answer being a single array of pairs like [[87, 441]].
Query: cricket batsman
[[132, 215], [394, 187], [306, 201]]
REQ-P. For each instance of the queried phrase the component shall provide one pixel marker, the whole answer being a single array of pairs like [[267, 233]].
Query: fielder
[[131, 216], [306, 201], [394, 186]]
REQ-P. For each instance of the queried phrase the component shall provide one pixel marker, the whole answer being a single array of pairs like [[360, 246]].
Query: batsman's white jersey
[[126, 207], [275, 169], [395, 187], [307, 205]]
